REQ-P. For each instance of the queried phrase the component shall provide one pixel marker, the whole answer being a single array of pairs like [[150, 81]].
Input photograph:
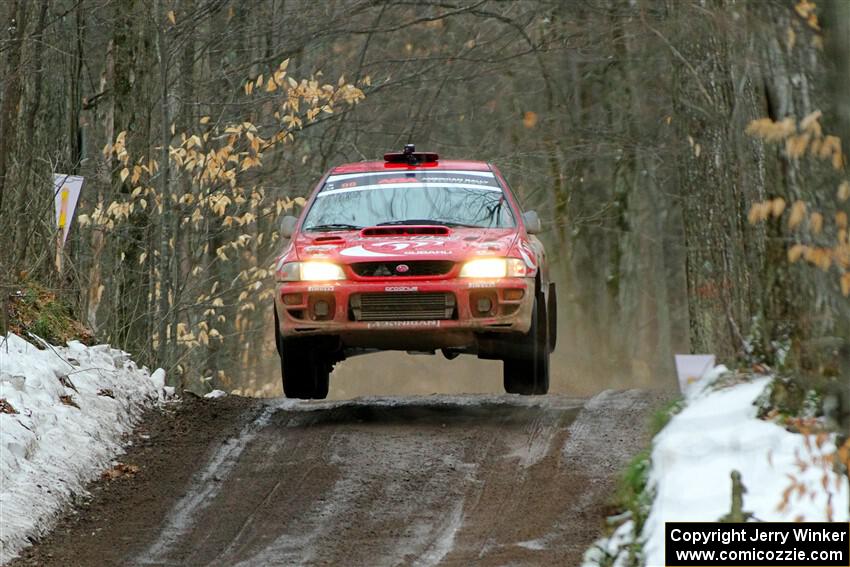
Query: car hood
[[403, 243]]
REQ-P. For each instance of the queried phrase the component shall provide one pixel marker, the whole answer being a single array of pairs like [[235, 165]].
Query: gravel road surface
[[430, 480]]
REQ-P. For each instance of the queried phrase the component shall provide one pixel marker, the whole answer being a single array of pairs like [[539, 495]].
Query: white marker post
[[692, 367], [66, 193]]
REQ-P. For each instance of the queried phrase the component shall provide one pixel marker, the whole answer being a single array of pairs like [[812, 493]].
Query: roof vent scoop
[[410, 156]]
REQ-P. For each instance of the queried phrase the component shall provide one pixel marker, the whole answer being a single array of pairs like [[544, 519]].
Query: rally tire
[[527, 373], [303, 373]]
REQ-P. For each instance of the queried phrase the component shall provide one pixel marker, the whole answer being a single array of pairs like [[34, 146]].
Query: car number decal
[[362, 252], [396, 246], [398, 324]]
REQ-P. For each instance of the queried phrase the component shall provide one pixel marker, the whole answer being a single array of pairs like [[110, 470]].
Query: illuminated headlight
[[310, 272], [493, 268]]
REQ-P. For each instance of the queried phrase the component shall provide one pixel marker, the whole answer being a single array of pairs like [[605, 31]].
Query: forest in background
[[685, 157]]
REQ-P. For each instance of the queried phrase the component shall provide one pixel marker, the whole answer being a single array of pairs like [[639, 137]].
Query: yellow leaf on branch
[[816, 222], [798, 213], [795, 252]]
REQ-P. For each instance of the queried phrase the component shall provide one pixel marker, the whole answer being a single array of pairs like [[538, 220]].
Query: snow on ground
[[63, 412], [718, 432]]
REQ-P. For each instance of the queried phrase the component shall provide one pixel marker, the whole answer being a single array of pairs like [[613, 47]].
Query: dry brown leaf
[[68, 401], [844, 191], [120, 470], [798, 213], [816, 222], [6, 407], [795, 252], [529, 119]]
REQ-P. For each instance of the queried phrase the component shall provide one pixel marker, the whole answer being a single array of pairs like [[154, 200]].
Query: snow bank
[[716, 433], [692, 458], [65, 412]]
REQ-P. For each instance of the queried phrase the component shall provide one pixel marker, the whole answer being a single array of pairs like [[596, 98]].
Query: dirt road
[[435, 480]]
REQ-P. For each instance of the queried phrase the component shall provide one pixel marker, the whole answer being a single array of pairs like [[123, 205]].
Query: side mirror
[[287, 226], [532, 222]]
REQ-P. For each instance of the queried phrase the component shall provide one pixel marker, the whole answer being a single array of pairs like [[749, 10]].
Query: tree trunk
[[712, 106]]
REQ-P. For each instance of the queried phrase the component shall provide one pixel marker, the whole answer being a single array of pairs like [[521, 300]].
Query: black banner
[[758, 544]]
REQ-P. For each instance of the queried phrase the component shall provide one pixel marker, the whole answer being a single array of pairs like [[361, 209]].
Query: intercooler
[[402, 306]]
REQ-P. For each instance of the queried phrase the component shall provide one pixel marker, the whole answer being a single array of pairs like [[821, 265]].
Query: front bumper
[[301, 313]]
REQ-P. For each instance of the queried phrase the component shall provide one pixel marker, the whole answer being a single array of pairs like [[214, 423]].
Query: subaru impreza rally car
[[416, 254]]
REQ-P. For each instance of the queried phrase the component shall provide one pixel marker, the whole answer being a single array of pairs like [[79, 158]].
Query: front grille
[[402, 306], [391, 269]]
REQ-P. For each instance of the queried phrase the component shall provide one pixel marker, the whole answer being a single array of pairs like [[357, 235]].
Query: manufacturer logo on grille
[[402, 268]]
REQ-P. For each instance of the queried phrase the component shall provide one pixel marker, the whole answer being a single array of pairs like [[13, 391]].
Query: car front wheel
[[526, 372], [304, 372]]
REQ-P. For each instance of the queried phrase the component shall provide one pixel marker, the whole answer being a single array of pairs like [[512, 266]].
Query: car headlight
[[493, 268], [310, 272]]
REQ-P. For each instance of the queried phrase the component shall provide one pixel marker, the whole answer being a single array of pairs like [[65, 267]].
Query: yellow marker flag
[[66, 194], [63, 207]]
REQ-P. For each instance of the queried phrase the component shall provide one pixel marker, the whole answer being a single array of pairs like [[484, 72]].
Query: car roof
[[365, 166]]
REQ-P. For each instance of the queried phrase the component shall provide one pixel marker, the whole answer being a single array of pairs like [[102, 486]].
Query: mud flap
[[552, 317]]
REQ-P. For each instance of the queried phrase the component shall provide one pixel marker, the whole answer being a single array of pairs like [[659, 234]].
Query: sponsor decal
[[402, 324], [402, 288], [467, 174], [320, 248], [417, 184], [320, 288], [479, 285], [426, 252]]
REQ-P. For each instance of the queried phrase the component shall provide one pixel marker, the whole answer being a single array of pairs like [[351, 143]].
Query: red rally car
[[415, 254]]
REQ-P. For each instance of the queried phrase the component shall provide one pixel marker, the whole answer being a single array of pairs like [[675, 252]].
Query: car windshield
[[452, 198]]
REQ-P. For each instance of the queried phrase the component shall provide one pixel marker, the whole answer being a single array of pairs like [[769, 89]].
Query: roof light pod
[[410, 156]]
